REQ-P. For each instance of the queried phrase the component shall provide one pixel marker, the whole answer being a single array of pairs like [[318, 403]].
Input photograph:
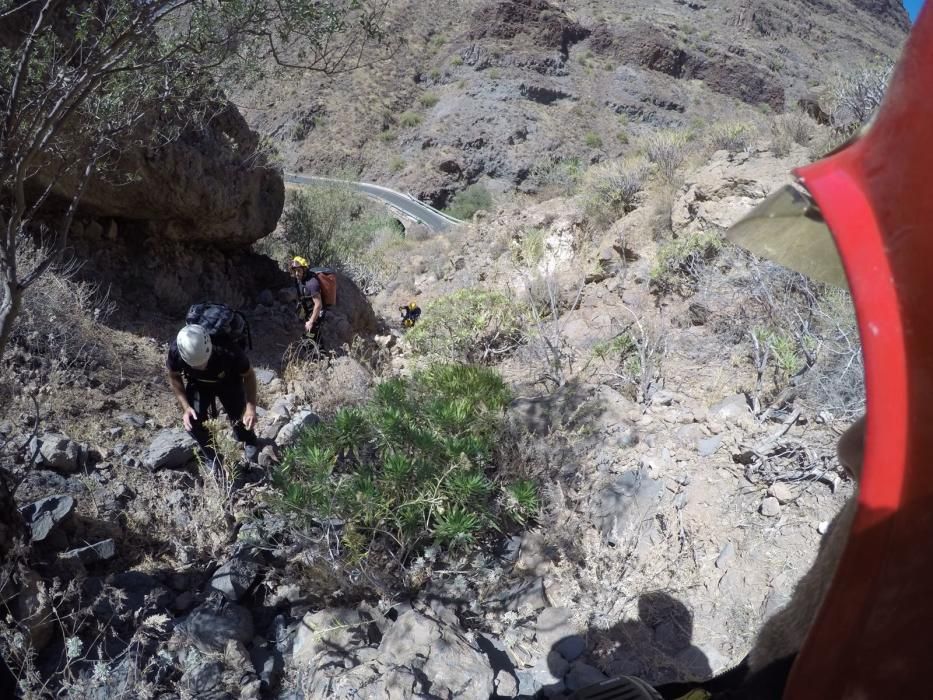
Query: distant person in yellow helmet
[[310, 304]]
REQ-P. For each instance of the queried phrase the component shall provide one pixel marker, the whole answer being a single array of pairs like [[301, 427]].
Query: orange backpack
[[327, 278]]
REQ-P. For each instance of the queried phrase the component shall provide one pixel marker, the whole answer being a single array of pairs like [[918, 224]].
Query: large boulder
[[210, 184], [722, 192], [350, 317]]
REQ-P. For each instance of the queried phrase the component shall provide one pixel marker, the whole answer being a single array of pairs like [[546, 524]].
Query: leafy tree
[[466, 203], [81, 82]]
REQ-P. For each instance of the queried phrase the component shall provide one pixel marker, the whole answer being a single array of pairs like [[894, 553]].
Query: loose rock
[[171, 449], [770, 507]]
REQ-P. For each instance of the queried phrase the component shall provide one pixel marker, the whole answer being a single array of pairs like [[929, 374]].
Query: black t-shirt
[[226, 363]]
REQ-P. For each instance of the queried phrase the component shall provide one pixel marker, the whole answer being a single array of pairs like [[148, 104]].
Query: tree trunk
[[11, 297]]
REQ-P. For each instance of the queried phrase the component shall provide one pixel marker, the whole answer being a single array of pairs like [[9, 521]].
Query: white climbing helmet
[[194, 345]]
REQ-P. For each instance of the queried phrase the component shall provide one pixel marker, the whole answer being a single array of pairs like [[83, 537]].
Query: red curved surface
[[873, 637]]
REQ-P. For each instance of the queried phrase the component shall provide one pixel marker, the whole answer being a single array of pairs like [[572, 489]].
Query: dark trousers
[[232, 396]]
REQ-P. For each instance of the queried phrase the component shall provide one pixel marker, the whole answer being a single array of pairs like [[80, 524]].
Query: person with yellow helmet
[[310, 304]]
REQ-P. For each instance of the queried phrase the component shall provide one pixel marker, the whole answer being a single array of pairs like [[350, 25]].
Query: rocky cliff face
[[496, 89], [212, 184]]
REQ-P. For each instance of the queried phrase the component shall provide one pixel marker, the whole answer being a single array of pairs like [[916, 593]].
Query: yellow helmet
[[299, 261]]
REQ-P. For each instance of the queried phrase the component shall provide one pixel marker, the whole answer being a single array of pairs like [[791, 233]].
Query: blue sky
[[913, 7]]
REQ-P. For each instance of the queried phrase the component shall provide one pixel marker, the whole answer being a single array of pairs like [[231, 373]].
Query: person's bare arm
[[178, 388], [315, 312], [249, 384]]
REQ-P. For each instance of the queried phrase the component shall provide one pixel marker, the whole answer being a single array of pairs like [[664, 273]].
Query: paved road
[[429, 216]]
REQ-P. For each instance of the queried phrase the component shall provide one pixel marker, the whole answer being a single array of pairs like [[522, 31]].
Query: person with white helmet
[[200, 371]]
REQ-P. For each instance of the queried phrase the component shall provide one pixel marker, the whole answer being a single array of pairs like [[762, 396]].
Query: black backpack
[[226, 326]]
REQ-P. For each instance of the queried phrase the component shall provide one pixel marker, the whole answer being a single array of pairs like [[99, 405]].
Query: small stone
[[114, 433], [133, 419], [56, 451], [302, 419], [708, 446], [210, 627], [97, 552], [725, 556], [169, 450], [823, 527], [235, 577], [42, 516], [663, 397], [770, 507], [264, 376], [781, 492]]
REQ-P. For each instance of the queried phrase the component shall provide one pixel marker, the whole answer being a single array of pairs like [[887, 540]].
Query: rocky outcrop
[[731, 74], [211, 184], [890, 11], [537, 21]]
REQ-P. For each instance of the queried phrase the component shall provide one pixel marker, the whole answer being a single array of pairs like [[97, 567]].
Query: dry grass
[[61, 320]]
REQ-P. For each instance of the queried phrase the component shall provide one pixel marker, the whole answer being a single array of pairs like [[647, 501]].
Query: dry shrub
[[61, 319], [611, 190], [855, 96], [662, 211], [788, 129], [330, 383], [731, 136], [668, 150]]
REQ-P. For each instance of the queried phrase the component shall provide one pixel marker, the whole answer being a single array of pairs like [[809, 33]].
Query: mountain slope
[[497, 89]]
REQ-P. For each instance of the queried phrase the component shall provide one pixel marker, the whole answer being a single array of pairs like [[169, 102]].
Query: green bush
[[411, 467], [529, 247], [409, 119], [782, 352], [473, 325], [592, 139], [330, 224], [680, 262], [429, 99], [466, 203]]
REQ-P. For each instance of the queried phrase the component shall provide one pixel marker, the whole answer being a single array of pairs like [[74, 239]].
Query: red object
[[873, 637]]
